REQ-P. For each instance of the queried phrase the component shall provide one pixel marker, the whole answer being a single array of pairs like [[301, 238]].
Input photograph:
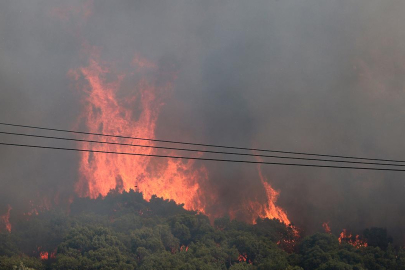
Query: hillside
[[124, 231]]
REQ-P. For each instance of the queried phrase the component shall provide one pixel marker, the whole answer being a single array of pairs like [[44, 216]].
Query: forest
[[124, 231]]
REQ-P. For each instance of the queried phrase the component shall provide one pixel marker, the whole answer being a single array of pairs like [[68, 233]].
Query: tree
[[377, 237]]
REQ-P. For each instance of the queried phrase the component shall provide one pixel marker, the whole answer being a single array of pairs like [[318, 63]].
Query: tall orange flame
[[270, 210], [111, 109], [254, 208], [107, 112]]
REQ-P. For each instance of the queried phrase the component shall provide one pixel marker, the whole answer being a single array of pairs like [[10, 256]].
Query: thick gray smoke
[[310, 76]]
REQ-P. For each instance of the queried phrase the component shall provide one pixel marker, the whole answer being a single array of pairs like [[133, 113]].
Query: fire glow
[[184, 248], [326, 227], [45, 255], [355, 241], [244, 258], [6, 219], [105, 112], [110, 111]]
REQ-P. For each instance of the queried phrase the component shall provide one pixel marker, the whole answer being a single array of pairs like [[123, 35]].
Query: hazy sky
[[310, 76]]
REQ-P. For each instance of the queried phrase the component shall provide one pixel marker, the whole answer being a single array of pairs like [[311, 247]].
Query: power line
[[200, 144], [205, 159], [197, 150]]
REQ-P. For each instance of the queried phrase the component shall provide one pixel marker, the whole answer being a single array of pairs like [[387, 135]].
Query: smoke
[[310, 76]]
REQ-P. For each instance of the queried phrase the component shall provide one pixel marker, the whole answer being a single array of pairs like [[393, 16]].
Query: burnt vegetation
[[123, 231]]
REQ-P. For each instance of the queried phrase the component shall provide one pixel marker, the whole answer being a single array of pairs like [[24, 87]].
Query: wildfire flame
[[244, 258], [270, 210], [109, 110], [108, 113], [6, 219], [352, 240], [326, 227], [44, 255], [256, 208], [184, 248]]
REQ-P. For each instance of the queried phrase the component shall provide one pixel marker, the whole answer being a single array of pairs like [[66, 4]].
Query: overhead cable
[[198, 150], [200, 144], [205, 159]]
